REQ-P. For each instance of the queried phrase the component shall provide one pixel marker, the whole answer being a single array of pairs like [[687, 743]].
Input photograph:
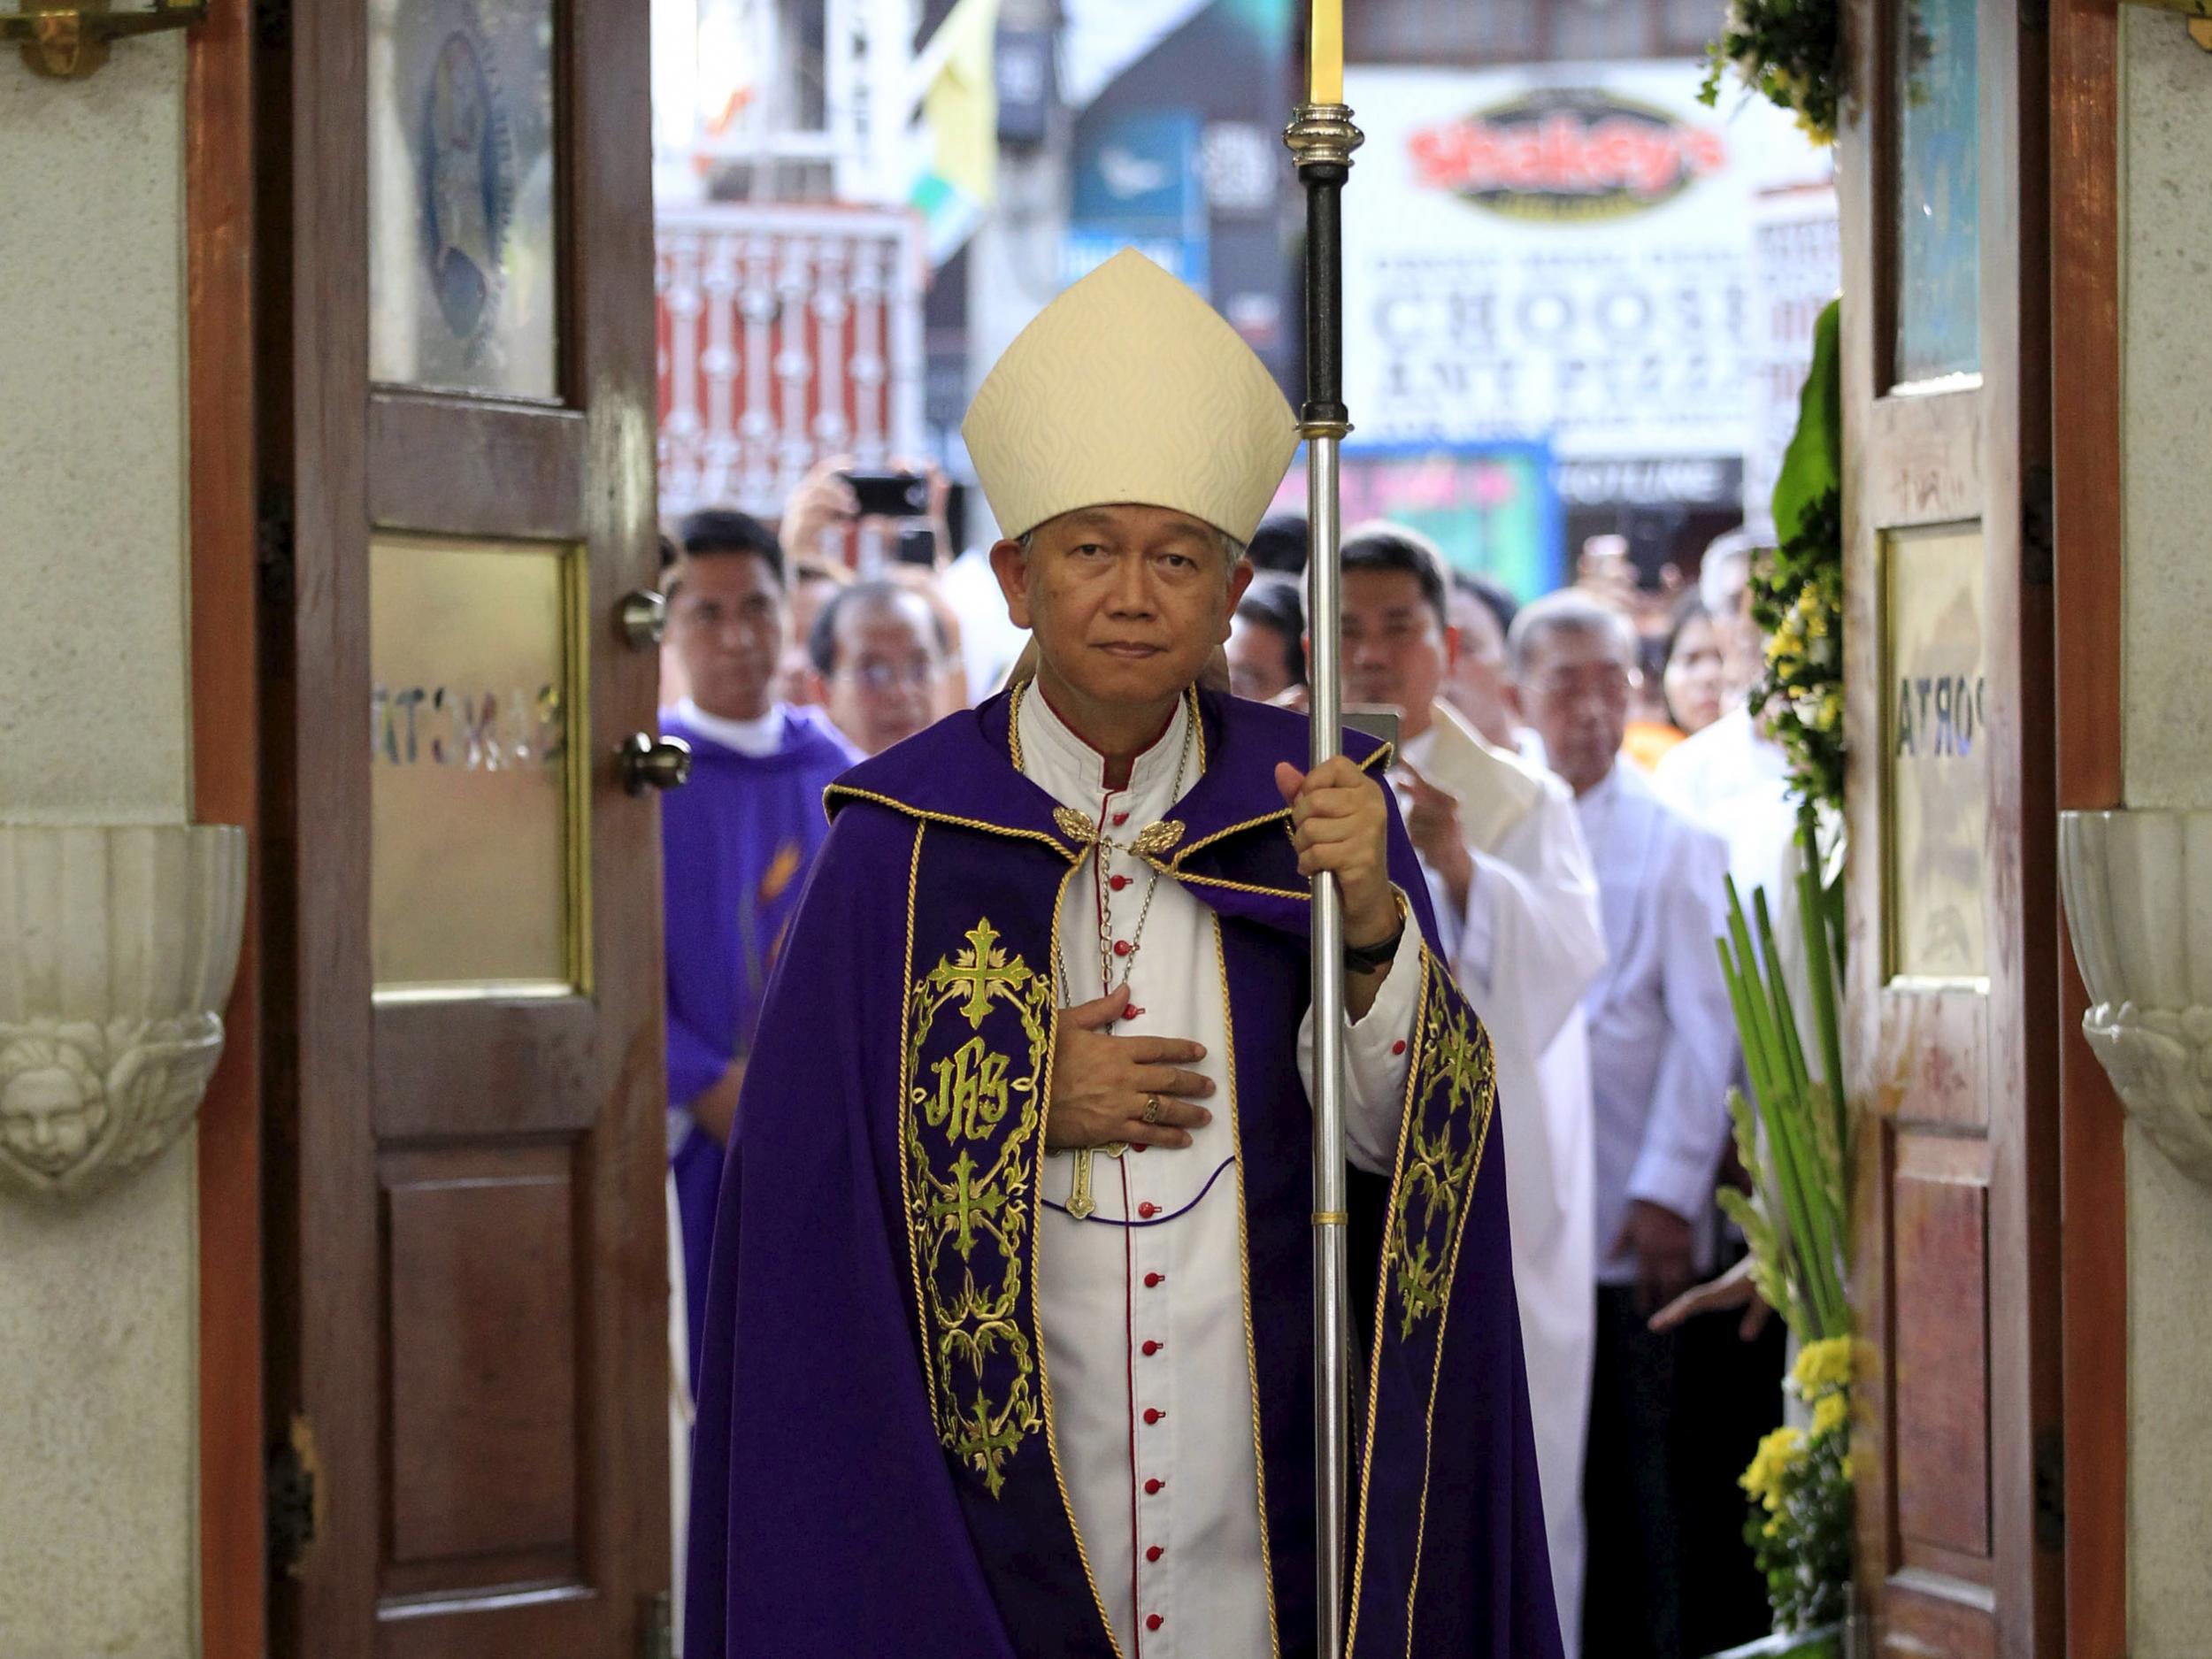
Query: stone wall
[[97, 1400], [2166, 206]]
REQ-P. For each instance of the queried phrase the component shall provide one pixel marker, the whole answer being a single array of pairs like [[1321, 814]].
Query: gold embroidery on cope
[[1454, 1092], [980, 1025]]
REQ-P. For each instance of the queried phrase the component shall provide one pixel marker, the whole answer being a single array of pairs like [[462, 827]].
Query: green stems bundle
[[1793, 1136]]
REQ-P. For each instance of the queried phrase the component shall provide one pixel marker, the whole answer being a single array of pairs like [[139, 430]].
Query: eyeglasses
[[890, 676]]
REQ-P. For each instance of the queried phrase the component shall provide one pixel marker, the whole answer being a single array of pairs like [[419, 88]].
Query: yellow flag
[[959, 113]]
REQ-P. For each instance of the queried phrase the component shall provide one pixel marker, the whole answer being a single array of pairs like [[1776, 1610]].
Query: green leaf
[[1813, 465]]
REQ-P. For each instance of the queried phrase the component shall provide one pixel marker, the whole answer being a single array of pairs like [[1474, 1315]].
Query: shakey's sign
[[1566, 153], [1569, 262]]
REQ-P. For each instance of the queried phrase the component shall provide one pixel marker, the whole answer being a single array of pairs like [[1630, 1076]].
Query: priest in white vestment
[[1518, 904], [1663, 1050]]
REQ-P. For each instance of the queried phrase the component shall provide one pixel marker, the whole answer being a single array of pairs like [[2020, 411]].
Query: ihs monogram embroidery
[[973, 1109]]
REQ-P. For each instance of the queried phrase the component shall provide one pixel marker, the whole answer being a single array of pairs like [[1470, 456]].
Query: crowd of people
[[1574, 817]]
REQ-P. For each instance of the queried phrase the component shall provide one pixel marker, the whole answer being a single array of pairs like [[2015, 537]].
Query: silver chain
[[1105, 904]]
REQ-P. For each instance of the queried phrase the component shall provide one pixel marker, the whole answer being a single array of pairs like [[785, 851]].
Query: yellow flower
[[1830, 1412], [1810, 605], [1820, 136], [1823, 1365], [1778, 1452], [1846, 1465]]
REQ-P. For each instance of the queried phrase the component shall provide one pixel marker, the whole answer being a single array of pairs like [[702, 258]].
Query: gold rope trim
[[1073, 855], [1381, 756], [1189, 879], [1037, 1289], [906, 1186], [1382, 1299], [1244, 1264]]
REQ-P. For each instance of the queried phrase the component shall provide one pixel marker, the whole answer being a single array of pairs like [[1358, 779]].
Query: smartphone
[[917, 545], [1377, 720], [889, 494]]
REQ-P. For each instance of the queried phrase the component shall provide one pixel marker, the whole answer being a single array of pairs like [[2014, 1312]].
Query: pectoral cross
[[1081, 1200]]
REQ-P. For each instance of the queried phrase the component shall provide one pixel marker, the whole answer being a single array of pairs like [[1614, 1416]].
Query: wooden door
[[468, 1289], [1954, 903]]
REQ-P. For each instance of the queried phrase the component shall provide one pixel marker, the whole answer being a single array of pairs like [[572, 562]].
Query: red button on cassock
[[1153, 1485], [1118, 882], [1398, 1047], [1121, 947], [1153, 1281], [1148, 1211], [1153, 1414], [1149, 1350], [1155, 1552], [1153, 1621], [1121, 817]]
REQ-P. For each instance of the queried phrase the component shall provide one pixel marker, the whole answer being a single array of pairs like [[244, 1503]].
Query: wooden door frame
[[2086, 464], [313, 426], [323, 432], [2006, 437], [226, 690]]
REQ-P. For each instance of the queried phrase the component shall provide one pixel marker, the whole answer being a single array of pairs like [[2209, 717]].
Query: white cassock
[[1735, 782], [1663, 1032], [1143, 1304], [1525, 951]]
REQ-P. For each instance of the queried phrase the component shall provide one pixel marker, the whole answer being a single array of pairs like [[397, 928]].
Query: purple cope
[[873, 1471]]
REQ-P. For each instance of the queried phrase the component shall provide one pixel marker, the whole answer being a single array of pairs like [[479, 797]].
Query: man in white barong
[[1518, 904], [1663, 1047]]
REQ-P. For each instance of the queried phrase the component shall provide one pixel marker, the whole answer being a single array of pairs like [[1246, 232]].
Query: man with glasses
[[879, 650], [1663, 1048]]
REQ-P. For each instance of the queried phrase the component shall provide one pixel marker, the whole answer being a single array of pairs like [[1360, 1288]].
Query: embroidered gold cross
[[986, 1445], [981, 971], [966, 1203]]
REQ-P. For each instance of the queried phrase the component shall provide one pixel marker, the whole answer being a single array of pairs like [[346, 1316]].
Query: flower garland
[[1794, 1134], [1800, 1485], [1798, 602], [1789, 52], [1797, 596]]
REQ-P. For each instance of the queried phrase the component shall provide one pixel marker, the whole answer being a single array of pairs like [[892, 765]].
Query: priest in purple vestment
[[736, 843], [1009, 1344]]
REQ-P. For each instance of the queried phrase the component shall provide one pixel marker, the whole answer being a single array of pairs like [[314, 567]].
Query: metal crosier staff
[[1322, 139]]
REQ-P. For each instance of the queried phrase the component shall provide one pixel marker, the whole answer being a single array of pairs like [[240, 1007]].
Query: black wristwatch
[[1375, 957]]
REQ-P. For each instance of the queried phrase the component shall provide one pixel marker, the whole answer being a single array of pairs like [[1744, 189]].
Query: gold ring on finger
[[1152, 1108]]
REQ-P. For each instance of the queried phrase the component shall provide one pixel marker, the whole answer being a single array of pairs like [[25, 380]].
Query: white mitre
[[1129, 388]]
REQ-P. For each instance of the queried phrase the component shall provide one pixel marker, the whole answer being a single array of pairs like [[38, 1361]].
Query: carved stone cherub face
[[53, 1107]]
